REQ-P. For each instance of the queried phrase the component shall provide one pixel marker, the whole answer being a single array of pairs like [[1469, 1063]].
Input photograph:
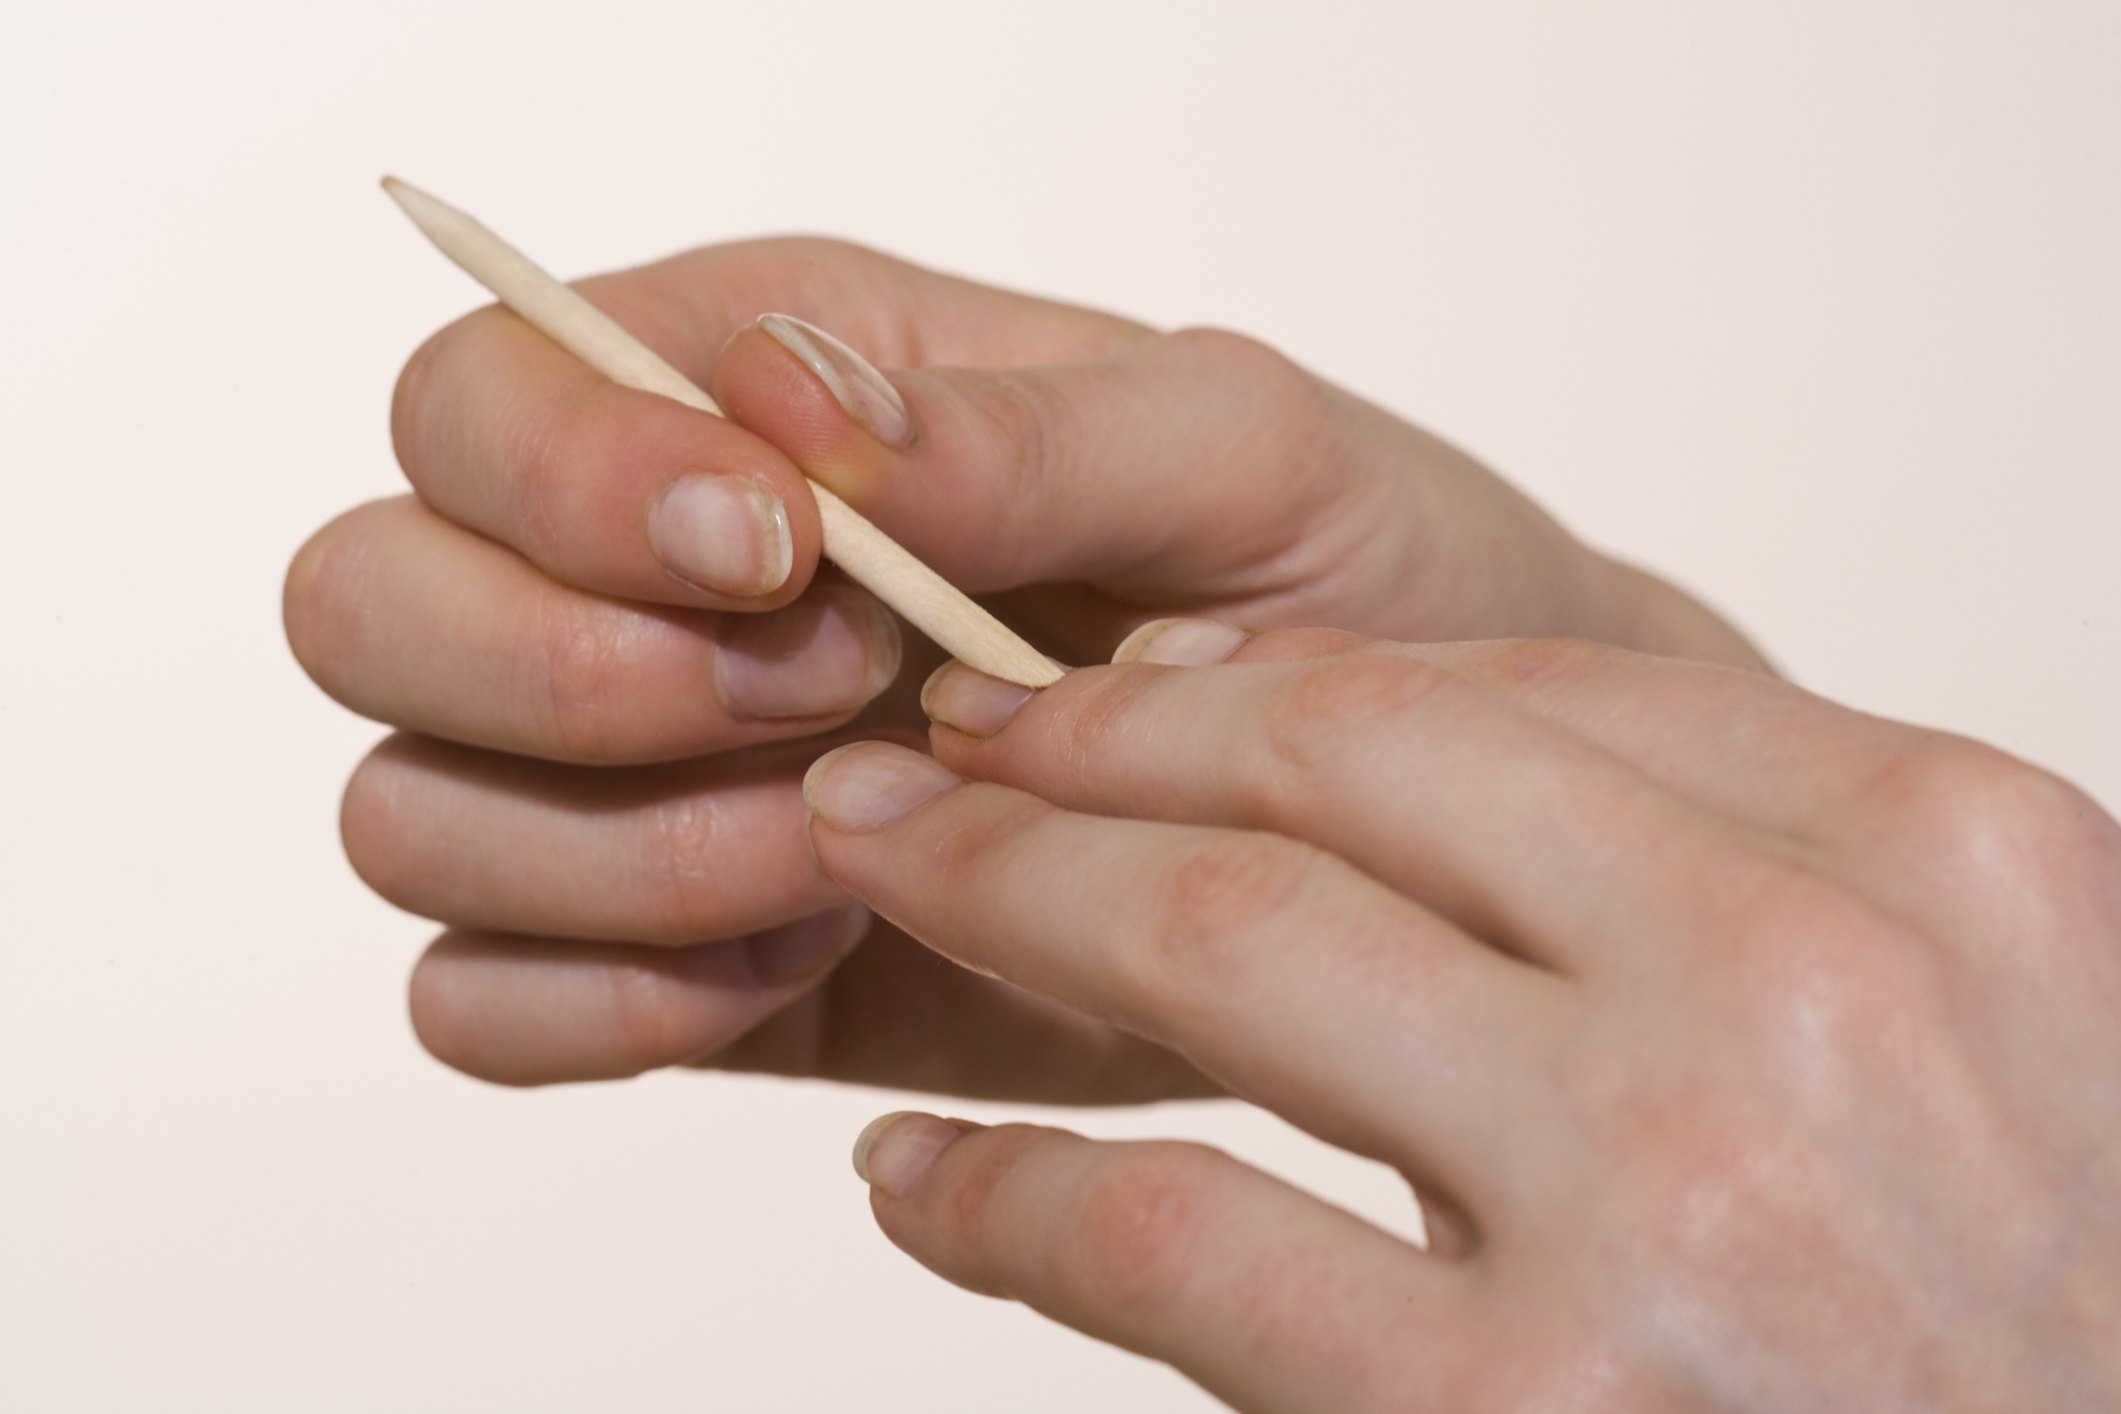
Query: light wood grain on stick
[[871, 558]]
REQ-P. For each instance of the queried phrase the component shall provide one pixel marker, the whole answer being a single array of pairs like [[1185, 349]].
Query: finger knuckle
[[1335, 702], [1541, 662], [540, 457], [1038, 427], [557, 459], [447, 1007], [1263, 375], [1984, 819], [1277, 645], [579, 662], [382, 829], [1209, 903], [413, 399], [650, 1017], [984, 842], [793, 252], [1099, 716], [1138, 1227], [982, 1171], [320, 599], [1287, 413], [426, 405], [680, 880]]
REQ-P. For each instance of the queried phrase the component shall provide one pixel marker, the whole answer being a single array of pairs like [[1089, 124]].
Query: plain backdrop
[[1816, 307]]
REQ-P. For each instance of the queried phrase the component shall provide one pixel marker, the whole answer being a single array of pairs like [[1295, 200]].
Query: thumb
[[1199, 472], [1198, 467]]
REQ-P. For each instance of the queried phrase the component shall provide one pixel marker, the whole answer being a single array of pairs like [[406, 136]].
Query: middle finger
[[408, 619], [1525, 834]]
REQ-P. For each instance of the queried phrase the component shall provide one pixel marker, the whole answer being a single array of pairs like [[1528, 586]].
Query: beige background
[[1815, 306]]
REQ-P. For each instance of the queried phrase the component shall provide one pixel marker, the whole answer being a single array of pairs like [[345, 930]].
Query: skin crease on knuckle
[[1137, 1230], [1550, 664], [575, 664], [677, 857], [1350, 696], [1121, 1238], [648, 1015], [322, 598], [1323, 508], [1207, 906], [1035, 427], [554, 455], [428, 416], [1130, 1233], [382, 840]]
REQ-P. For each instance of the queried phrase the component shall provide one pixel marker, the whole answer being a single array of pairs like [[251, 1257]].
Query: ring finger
[[1280, 970]]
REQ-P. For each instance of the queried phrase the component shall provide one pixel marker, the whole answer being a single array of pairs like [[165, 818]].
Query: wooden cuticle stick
[[868, 556]]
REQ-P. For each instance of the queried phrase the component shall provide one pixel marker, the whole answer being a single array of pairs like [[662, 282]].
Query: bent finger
[[784, 1001], [383, 595], [518, 1011], [708, 848]]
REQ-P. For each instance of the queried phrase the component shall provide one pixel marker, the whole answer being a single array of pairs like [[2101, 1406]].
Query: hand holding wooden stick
[[871, 558]]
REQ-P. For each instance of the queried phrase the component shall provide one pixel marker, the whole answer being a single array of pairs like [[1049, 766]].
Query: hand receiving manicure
[[1748, 1053]]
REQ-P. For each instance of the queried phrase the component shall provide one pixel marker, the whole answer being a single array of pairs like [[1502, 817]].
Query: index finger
[[630, 494]]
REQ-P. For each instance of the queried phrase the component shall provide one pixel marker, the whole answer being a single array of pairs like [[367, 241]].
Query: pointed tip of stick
[[430, 213], [405, 194]]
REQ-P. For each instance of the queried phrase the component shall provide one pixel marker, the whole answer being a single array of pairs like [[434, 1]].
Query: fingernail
[[824, 655], [865, 394], [1181, 643], [724, 533], [870, 784], [970, 701], [805, 947], [895, 1151]]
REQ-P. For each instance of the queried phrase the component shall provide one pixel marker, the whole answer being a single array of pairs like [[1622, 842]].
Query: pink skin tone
[[1756, 1054], [596, 628]]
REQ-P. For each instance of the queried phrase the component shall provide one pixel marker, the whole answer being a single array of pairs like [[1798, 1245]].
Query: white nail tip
[[863, 392]]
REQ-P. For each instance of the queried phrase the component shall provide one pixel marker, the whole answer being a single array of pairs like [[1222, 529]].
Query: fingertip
[[971, 702], [894, 1152], [866, 786], [1188, 643], [724, 534]]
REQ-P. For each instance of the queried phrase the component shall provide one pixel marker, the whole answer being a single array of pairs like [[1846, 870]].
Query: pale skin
[[1747, 1052]]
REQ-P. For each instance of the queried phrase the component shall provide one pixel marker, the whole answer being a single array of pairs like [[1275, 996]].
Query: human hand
[[1749, 1053], [596, 626]]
